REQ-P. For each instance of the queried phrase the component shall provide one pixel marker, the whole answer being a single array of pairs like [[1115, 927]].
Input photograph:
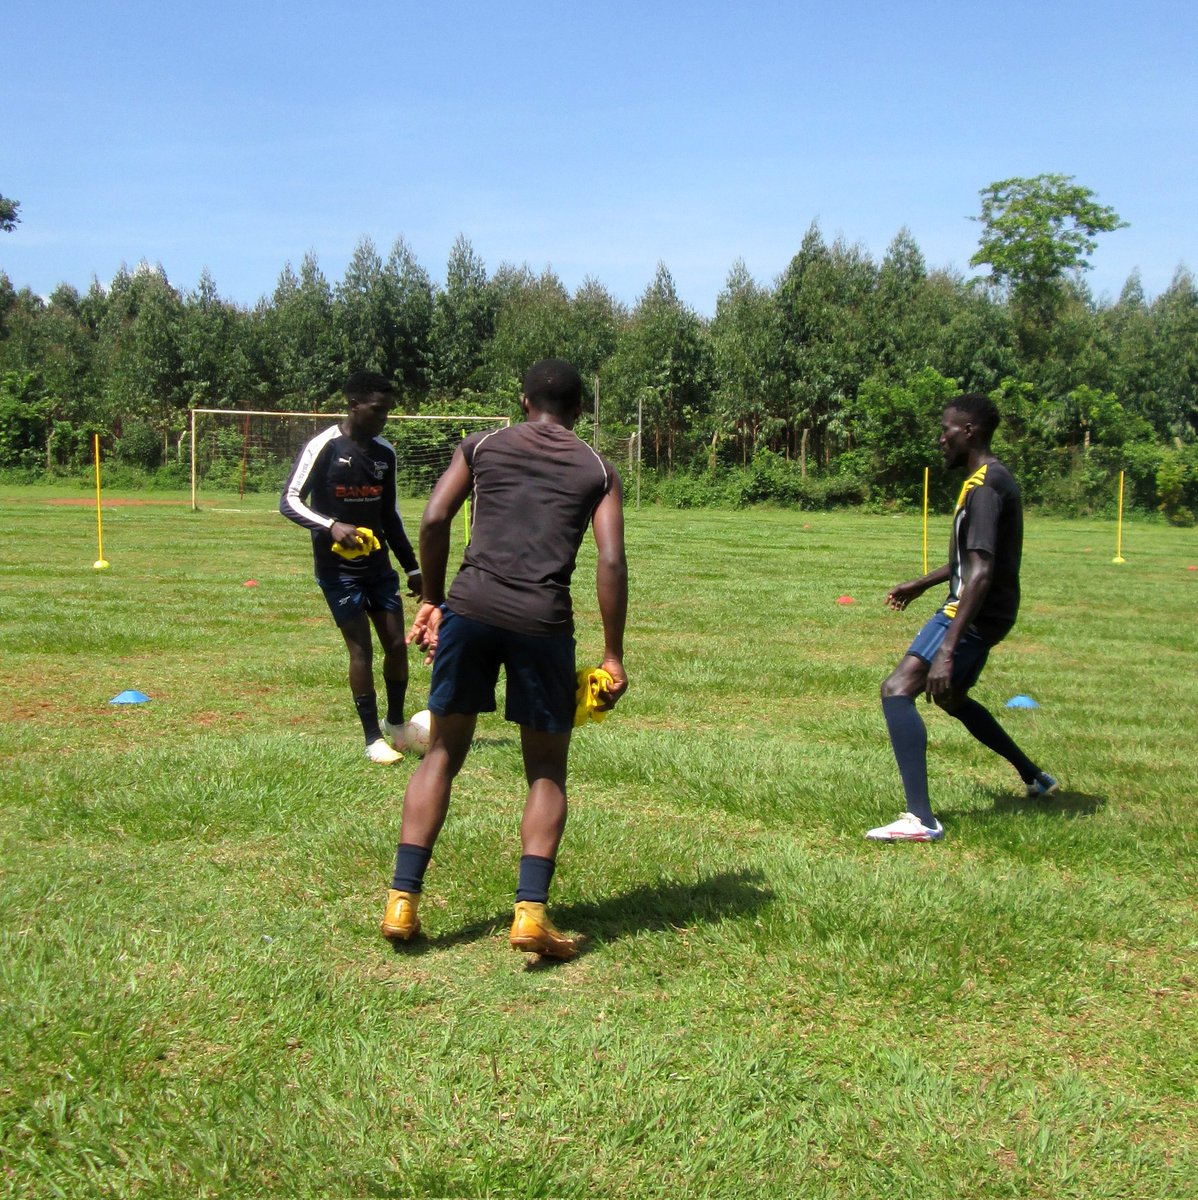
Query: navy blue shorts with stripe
[[969, 659], [349, 595]]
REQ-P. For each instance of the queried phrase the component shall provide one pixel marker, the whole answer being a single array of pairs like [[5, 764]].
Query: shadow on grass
[[479, 743], [1065, 805], [656, 906], [650, 907]]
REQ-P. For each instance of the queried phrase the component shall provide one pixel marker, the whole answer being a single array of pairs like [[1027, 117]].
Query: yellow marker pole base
[[1118, 559], [101, 564]]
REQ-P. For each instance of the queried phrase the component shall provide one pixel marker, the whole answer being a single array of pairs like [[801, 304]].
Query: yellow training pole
[[101, 564], [1119, 527], [925, 520]]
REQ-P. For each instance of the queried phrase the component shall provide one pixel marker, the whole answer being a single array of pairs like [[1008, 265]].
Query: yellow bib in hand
[[367, 544], [586, 698]]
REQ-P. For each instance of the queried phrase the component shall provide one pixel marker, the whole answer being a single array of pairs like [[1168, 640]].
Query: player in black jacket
[[343, 481]]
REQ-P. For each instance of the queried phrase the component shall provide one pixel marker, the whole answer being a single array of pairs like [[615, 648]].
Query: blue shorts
[[350, 595], [969, 658], [540, 674]]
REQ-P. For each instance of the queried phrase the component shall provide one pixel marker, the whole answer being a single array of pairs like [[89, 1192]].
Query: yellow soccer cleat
[[534, 933], [400, 921]]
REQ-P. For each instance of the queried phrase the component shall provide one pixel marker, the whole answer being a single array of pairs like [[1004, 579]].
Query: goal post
[[235, 451]]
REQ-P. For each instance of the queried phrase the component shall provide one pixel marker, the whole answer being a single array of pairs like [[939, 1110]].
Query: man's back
[[535, 488]]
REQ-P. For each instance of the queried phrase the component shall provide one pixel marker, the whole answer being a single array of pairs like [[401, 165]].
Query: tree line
[[823, 386]]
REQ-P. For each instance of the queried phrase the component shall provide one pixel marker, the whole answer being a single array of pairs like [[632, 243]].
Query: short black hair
[[366, 383], [554, 386], [980, 409]]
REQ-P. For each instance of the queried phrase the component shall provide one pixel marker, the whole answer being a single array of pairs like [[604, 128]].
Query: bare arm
[[611, 585], [902, 594], [447, 498], [395, 534]]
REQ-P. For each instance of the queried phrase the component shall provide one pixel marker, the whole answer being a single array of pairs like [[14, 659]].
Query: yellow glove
[[586, 698], [367, 544]]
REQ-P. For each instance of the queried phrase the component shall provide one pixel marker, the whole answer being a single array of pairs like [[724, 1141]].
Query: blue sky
[[594, 139]]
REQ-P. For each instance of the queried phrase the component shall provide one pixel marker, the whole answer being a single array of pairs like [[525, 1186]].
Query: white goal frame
[[317, 417]]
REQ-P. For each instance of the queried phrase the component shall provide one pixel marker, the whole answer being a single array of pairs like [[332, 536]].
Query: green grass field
[[196, 1000]]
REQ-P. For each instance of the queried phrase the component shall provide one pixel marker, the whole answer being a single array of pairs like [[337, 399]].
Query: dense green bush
[[768, 479], [894, 426], [171, 476], [1177, 485], [1139, 462], [683, 489], [1084, 482], [22, 421], [23, 476], [140, 445]]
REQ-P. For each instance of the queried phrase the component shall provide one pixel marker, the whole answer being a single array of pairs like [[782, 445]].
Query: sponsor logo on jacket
[[365, 491]]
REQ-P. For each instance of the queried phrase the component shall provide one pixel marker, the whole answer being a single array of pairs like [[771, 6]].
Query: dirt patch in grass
[[115, 502], [30, 711]]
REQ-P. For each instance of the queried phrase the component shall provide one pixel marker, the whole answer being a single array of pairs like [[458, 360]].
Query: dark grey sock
[[981, 723], [397, 690], [410, 864], [368, 714], [909, 738], [535, 876]]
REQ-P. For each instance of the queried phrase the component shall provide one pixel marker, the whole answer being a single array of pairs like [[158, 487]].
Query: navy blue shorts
[[540, 674], [969, 658], [350, 595]]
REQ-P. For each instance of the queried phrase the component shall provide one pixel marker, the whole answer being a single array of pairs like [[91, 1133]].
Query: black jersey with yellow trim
[[336, 479], [988, 518]]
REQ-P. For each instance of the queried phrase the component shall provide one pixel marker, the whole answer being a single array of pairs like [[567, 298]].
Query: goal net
[[235, 452]]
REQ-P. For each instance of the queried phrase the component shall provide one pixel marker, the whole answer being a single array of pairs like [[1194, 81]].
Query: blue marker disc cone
[[1022, 702], [130, 697]]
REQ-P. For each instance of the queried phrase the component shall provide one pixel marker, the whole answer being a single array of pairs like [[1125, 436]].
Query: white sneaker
[[392, 734], [907, 828], [379, 752]]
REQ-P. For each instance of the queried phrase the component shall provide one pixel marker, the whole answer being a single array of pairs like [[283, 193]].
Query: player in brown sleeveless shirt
[[535, 489]]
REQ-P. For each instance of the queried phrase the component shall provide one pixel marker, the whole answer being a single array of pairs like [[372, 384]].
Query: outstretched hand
[[902, 594], [426, 626]]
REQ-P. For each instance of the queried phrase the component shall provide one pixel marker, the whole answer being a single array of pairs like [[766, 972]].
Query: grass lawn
[[196, 1000]]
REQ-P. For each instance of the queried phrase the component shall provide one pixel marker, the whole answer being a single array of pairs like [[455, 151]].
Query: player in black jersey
[[948, 654], [344, 481], [536, 488]]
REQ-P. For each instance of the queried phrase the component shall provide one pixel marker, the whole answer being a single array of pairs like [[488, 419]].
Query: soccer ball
[[416, 731]]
